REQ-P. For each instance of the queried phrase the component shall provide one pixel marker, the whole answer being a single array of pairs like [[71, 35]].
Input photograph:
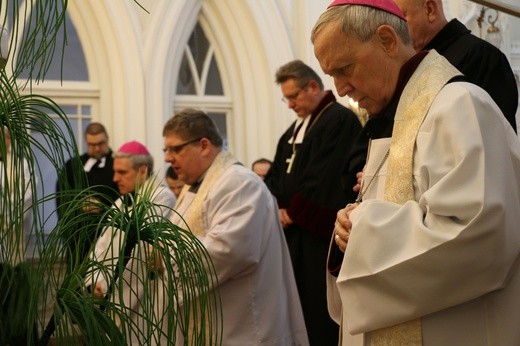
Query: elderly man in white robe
[[431, 249], [231, 211], [133, 167]]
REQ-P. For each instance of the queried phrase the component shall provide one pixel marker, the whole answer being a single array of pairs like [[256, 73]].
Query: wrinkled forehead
[[123, 163], [333, 47]]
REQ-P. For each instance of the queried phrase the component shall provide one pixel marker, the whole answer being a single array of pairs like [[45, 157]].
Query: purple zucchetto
[[133, 148], [386, 5]]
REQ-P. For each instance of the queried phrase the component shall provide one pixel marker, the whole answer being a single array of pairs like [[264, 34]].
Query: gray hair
[[137, 160], [191, 124], [299, 71], [361, 21]]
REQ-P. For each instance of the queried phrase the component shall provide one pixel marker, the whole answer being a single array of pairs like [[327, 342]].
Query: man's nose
[[343, 87]]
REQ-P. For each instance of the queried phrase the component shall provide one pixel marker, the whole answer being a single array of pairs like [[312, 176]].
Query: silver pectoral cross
[[290, 161]]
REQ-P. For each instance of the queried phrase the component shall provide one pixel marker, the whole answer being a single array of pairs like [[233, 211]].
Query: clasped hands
[[343, 225], [285, 219], [152, 259], [92, 205]]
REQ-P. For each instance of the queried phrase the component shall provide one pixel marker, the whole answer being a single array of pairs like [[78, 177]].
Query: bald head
[[425, 19]]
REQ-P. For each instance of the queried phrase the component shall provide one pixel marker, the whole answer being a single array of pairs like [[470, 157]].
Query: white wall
[[134, 57]]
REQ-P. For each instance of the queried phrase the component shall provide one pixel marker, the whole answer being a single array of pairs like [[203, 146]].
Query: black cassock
[[312, 194], [100, 180], [482, 63]]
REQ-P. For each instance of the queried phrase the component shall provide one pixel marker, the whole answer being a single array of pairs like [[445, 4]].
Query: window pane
[[47, 180], [199, 47], [74, 64], [70, 110], [81, 136], [86, 110], [213, 83], [220, 121], [46, 184], [185, 85]]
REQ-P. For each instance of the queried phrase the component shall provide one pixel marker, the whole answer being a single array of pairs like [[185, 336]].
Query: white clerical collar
[[301, 131], [92, 161], [102, 162]]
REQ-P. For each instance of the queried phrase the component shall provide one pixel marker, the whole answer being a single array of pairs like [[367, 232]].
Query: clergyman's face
[[175, 185], [360, 70], [261, 169], [97, 145], [125, 176], [186, 160], [299, 99]]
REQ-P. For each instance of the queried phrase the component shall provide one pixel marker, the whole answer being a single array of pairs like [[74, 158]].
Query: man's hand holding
[[343, 225]]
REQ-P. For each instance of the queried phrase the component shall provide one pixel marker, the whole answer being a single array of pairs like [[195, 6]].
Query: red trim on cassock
[[314, 218], [335, 260]]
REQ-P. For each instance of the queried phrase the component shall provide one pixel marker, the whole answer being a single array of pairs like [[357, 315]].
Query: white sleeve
[[236, 213], [460, 234]]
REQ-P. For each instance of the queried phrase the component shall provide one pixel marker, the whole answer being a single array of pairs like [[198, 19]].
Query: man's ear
[[313, 84], [432, 10], [143, 172], [386, 37], [205, 145]]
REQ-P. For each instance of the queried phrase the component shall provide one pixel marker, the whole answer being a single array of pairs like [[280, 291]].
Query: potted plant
[[47, 302]]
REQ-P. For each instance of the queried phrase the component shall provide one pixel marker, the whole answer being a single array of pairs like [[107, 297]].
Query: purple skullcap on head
[[133, 148], [386, 5]]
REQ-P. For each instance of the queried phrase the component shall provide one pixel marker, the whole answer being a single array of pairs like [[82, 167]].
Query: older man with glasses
[[232, 213], [305, 179]]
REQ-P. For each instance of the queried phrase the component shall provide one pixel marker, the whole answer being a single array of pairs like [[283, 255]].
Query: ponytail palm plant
[[48, 301]]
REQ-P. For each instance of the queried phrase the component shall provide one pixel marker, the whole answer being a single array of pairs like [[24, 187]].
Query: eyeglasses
[[293, 97], [175, 149], [98, 144]]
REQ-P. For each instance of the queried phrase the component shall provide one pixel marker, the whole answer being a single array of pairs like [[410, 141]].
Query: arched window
[[67, 81], [200, 84]]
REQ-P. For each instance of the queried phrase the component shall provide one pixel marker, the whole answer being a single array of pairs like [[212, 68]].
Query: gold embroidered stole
[[429, 78], [193, 216]]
